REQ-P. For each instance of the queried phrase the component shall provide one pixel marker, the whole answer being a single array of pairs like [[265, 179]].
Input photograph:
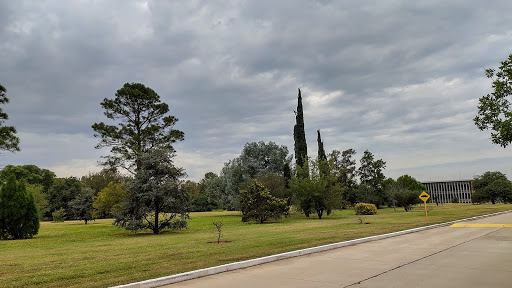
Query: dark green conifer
[[32, 216], [258, 204], [323, 166], [321, 151], [19, 218], [299, 135], [287, 174], [82, 206]]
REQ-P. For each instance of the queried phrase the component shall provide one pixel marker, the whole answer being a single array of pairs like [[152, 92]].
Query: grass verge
[[72, 254]]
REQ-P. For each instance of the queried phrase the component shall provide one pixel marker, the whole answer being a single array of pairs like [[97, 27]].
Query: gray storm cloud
[[400, 78]]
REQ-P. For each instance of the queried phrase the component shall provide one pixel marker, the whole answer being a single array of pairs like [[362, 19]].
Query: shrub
[[19, 218], [407, 198], [360, 219], [218, 226], [478, 197], [257, 203], [365, 209], [59, 215], [455, 200]]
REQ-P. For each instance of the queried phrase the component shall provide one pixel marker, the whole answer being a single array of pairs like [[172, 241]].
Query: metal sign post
[[424, 196]]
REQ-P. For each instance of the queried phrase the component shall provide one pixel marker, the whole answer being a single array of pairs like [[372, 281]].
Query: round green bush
[[365, 209]]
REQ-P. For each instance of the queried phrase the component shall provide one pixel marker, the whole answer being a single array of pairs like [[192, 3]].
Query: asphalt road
[[440, 257]]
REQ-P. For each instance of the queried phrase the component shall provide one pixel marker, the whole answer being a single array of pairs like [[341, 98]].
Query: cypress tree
[[321, 158], [324, 201], [287, 174], [321, 151], [301, 148], [19, 218], [32, 214]]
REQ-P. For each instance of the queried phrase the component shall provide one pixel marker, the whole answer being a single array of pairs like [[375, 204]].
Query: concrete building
[[445, 191]]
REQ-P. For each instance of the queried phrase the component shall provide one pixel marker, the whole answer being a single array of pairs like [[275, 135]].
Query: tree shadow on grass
[[89, 223], [220, 242], [126, 233], [266, 222]]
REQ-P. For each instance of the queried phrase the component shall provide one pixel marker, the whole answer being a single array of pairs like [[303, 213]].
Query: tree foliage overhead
[[19, 218], [143, 124], [156, 200], [8, 139], [299, 135], [495, 109]]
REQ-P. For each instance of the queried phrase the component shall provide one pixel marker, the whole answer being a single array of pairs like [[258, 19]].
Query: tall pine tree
[[299, 136], [142, 124]]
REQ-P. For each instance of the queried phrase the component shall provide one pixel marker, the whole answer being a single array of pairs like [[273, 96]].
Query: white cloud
[[75, 167], [198, 163]]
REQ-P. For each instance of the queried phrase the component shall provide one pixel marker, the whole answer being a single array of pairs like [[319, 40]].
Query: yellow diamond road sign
[[424, 196]]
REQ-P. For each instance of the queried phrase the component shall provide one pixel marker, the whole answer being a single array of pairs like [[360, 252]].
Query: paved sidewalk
[[440, 257]]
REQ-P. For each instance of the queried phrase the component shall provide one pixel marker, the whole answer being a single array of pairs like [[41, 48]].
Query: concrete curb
[[248, 263]]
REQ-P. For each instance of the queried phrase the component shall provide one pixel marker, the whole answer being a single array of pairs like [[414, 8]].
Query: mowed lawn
[[98, 254]]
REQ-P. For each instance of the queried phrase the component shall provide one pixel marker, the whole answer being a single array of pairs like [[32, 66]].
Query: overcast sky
[[399, 78]]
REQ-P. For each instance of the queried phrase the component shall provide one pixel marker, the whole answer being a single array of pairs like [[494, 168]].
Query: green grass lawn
[[98, 254]]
